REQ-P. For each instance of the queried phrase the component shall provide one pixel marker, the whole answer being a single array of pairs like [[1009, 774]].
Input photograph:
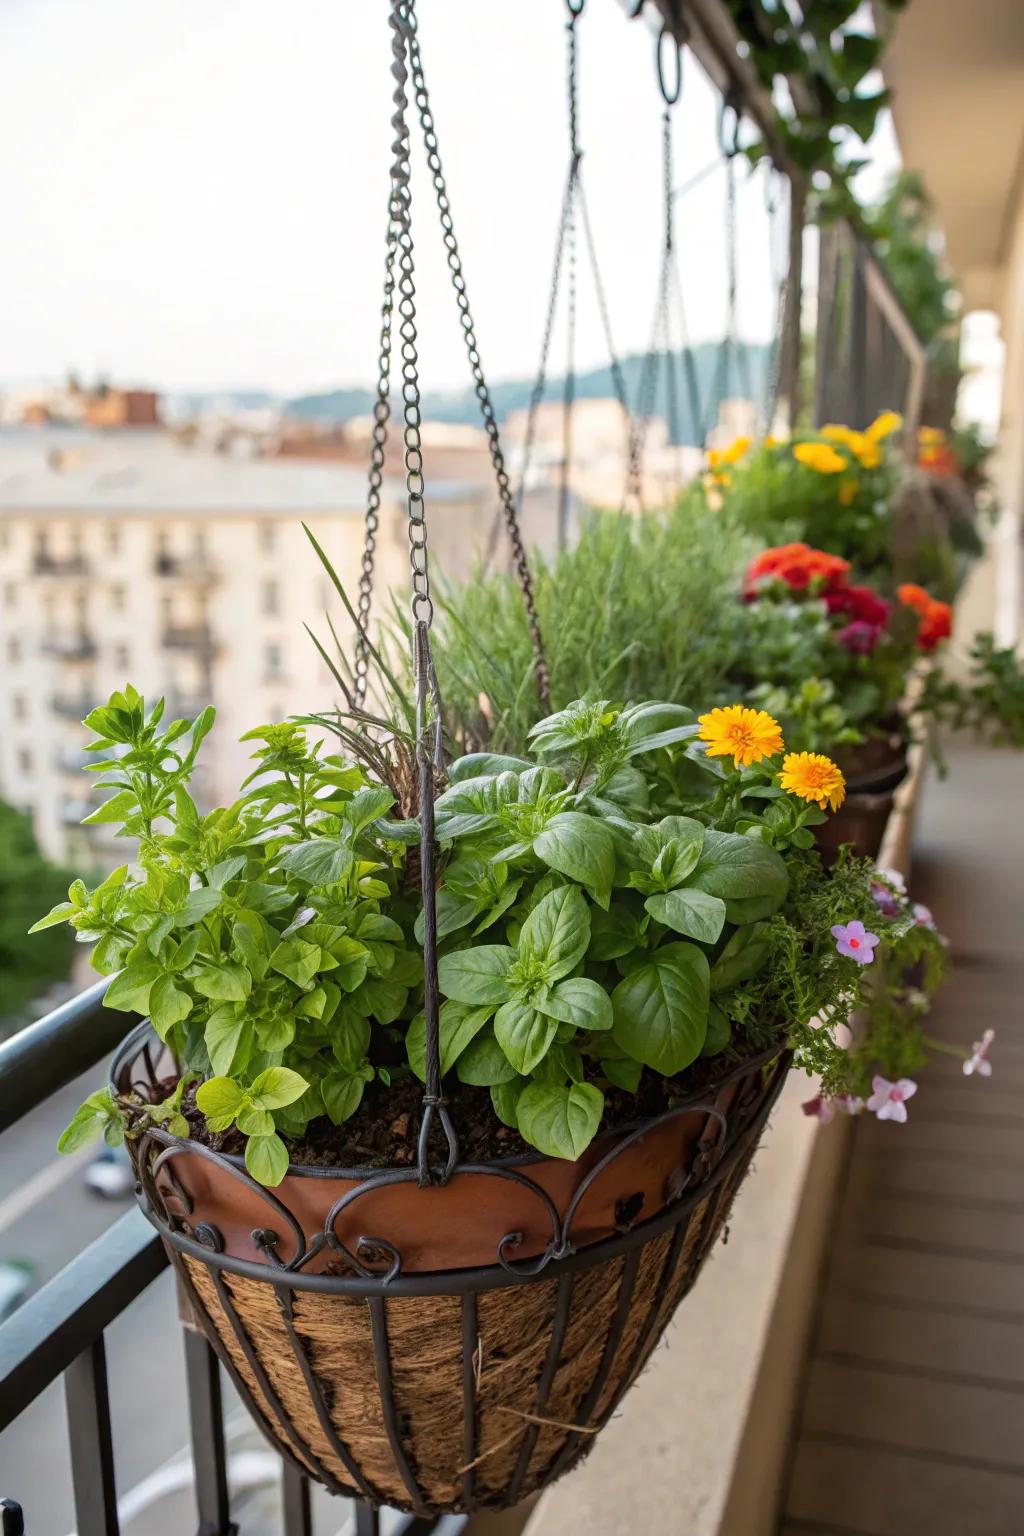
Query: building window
[[117, 598], [268, 538], [273, 660], [270, 601], [19, 706], [24, 760], [13, 649]]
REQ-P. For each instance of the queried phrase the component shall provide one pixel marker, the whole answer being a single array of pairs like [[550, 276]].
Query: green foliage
[[638, 608], [902, 224], [989, 702], [614, 903], [26, 881]]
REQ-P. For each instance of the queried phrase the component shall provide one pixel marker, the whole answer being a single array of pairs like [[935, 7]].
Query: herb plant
[[638, 892]]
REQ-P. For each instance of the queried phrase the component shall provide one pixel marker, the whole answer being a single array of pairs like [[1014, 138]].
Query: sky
[[195, 190]]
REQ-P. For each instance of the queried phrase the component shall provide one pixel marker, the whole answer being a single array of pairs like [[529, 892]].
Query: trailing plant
[[638, 893]]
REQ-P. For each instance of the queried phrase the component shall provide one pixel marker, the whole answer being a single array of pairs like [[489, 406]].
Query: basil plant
[[602, 905]]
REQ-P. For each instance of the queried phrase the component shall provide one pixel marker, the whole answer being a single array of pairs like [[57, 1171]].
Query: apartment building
[[129, 556]]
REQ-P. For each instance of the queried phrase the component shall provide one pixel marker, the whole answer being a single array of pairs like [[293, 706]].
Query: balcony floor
[[913, 1411]]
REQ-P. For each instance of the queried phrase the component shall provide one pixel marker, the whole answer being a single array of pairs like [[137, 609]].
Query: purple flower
[[819, 1108], [888, 901], [859, 637], [978, 1061], [889, 1100], [855, 942], [922, 915]]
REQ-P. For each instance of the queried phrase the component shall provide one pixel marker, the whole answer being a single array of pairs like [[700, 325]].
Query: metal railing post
[[206, 1417], [91, 1443]]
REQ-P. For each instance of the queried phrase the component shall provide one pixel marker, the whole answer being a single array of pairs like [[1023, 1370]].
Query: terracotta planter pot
[[458, 1346], [860, 820], [877, 764]]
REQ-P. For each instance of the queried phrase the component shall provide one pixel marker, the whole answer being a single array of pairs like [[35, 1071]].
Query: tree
[[28, 886]]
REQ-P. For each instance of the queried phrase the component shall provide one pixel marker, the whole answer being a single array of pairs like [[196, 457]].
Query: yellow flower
[[771, 441], [813, 777], [931, 437], [730, 455], [820, 456], [745, 735], [884, 425], [864, 448]]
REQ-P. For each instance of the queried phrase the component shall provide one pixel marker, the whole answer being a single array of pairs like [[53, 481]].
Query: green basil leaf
[[505, 1098], [323, 861], [168, 1005], [367, 804], [220, 1099], [581, 1002], [276, 1087], [483, 1064], [225, 981], [615, 932], [350, 1038], [661, 1009], [253, 1121], [198, 904], [225, 871], [719, 1031], [266, 1158], [581, 848], [691, 912], [750, 877], [129, 992], [88, 1122], [478, 975], [742, 957], [524, 1034], [560, 1121], [459, 1026], [343, 1094], [483, 765], [228, 1036], [297, 960], [557, 931]]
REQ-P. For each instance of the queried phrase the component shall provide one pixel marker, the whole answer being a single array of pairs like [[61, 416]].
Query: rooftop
[[141, 472]]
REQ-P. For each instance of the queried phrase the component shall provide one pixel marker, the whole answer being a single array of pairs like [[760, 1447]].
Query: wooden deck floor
[[913, 1413]]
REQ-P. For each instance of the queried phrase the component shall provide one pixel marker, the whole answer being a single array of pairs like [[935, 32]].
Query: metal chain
[[381, 417], [508, 511], [428, 732]]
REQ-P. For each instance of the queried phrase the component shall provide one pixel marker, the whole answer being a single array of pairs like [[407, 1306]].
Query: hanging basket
[[457, 1346]]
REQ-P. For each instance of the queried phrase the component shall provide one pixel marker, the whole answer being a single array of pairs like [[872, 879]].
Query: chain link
[[381, 417], [508, 510]]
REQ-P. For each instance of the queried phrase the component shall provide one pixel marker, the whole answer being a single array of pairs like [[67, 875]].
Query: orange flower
[[913, 596], [813, 777], [936, 625], [745, 735], [821, 457], [798, 565]]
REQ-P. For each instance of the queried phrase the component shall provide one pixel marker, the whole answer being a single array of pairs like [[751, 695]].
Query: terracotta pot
[[382, 1366], [860, 820], [460, 1225], [878, 764]]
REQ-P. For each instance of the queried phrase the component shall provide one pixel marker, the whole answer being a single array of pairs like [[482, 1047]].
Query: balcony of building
[[195, 636], [72, 706], [69, 645], [190, 569], [71, 564]]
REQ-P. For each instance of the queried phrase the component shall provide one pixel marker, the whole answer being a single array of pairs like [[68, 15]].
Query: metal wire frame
[[676, 1217]]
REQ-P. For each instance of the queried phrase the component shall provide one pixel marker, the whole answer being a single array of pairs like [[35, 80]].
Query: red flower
[[860, 603], [859, 637], [936, 626]]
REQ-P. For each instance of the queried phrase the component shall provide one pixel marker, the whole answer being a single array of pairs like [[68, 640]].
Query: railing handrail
[[47, 1055]]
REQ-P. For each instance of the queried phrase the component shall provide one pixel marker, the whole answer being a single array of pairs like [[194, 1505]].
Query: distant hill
[[748, 371]]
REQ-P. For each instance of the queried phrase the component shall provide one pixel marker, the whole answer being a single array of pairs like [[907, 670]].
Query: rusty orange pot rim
[[144, 1032]]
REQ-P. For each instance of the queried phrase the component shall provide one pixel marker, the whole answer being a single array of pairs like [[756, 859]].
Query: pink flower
[[889, 1100], [922, 915], [978, 1061], [855, 942], [849, 1104], [888, 901], [819, 1108]]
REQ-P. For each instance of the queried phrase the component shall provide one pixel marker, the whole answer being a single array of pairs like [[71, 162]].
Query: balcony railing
[[45, 564], [190, 568], [189, 637], [60, 1331], [73, 706], [70, 647]]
